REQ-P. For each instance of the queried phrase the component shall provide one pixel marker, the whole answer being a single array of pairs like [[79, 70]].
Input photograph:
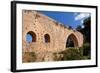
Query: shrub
[[58, 56], [72, 54], [81, 53], [87, 50], [81, 49], [69, 54]]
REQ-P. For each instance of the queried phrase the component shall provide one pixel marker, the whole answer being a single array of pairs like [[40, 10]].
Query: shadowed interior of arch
[[72, 41], [47, 38]]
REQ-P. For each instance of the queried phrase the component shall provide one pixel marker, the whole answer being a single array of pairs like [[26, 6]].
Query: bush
[[57, 56], [87, 49], [81, 50], [82, 53], [69, 54], [72, 54]]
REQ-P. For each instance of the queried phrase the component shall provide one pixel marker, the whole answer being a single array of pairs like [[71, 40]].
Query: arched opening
[[30, 37], [46, 38], [71, 41]]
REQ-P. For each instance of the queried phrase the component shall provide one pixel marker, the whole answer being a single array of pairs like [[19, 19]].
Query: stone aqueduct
[[48, 36]]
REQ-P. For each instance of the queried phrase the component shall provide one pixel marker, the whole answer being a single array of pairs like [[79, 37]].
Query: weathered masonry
[[48, 36]]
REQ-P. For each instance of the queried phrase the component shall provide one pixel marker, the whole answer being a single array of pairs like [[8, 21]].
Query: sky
[[72, 19], [29, 38]]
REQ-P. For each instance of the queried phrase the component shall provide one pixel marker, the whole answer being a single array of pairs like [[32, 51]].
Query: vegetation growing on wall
[[29, 57]]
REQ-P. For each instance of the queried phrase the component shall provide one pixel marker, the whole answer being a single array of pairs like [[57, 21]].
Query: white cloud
[[75, 14], [82, 21], [81, 16], [82, 26]]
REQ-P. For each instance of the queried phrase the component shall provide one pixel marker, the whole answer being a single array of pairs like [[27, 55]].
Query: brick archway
[[71, 41]]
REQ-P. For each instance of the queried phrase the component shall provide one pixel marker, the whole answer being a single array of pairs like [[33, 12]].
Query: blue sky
[[29, 38], [67, 18]]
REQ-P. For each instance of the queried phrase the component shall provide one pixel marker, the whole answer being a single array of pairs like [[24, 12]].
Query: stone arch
[[32, 35], [72, 41], [47, 38]]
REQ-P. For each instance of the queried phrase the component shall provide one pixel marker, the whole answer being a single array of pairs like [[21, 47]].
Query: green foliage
[[86, 31], [82, 53], [69, 54], [72, 54], [79, 28], [58, 56], [87, 50], [81, 50]]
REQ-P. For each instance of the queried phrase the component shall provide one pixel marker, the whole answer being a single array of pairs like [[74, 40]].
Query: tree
[[86, 31], [70, 27], [79, 27]]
